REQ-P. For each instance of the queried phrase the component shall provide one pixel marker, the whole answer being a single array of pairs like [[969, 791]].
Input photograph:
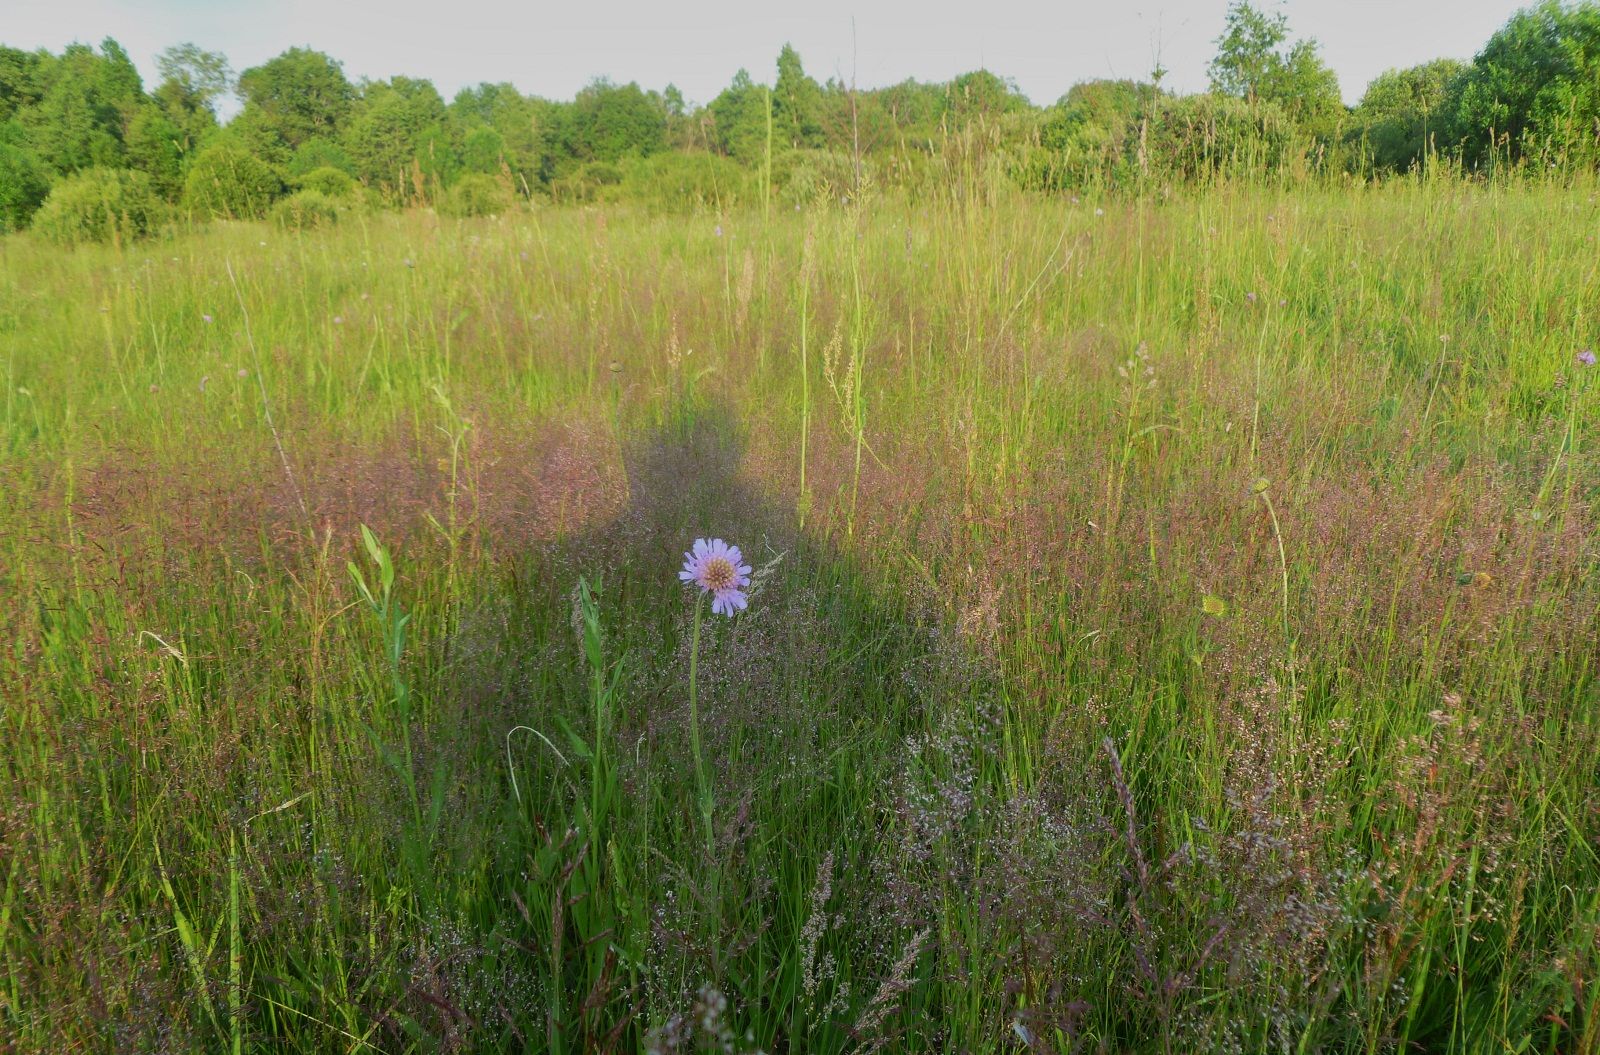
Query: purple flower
[[1251, 297], [207, 318], [719, 230], [1586, 357], [718, 569]]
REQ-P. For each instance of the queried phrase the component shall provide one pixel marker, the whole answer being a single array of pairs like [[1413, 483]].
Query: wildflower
[[1586, 357], [718, 569], [206, 318], [338, 320], [1251, 297], [719, 230], [1099, 212]]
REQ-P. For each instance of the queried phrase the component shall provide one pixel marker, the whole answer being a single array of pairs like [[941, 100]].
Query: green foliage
[[86, 103], [397, 137], [308, 208], [982, 94], [796, 103], [483, 150], [300, 95], [19, 80], [1198, 137], [203, 76], [24, 185], [684, 182], [226, 182], [1534, 88], [477, 194], [1404, 114], [608, 122], [99, 205], [520, 122], [1255, 61], [158, 147], [319, 152], [586, 182], [193, 81], [812, 177], [329, 182], [739, 119], [1089, 137]]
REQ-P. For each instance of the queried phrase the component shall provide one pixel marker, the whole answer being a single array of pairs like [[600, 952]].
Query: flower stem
[[702, 783]]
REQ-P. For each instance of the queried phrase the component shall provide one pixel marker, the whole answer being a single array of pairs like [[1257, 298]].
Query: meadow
[[1173, 629]]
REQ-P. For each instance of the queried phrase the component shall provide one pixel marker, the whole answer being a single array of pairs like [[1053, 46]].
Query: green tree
[[483, 150], [86, 104], [1403, 111], [99, 205], [159, 148], [1086, 135], [796, 103], [985, 94], [19, 81], [24, 184], [610, 122], [300, 95], [739, 119], [398, 133], [320, 152], [1255, 61], [519, 121], [1535, 85], [227, 182], [193, 79]]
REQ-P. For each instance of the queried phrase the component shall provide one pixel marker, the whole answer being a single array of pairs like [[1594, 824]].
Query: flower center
[[719, 573]]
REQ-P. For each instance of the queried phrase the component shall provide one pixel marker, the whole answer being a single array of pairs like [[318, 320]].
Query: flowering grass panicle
[[718, 569]]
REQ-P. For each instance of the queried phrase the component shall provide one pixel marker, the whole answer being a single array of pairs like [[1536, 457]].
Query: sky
[[554, 49]]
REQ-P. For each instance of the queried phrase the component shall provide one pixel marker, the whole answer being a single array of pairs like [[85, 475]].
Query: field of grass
[[1175, 630]]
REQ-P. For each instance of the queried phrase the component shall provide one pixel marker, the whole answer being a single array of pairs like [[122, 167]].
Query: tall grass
[[1181, 638]]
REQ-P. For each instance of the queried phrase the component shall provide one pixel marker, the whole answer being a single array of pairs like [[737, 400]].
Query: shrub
[[329, 182], [587, 182], [99, 205], [476, 194], [24, 185], [320, 153], [306, 209], [1198, 136], [809, 177], [682, 182], [225, 181]]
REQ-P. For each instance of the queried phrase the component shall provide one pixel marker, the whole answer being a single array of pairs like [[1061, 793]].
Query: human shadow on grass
[[806, 700]]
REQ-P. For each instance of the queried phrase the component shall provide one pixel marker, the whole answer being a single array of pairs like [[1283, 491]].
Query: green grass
[[1176, 630]]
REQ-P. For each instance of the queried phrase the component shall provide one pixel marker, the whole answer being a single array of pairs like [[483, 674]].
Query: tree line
[[87, 152]]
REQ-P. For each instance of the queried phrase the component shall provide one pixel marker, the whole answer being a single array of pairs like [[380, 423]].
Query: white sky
[[553, 49]]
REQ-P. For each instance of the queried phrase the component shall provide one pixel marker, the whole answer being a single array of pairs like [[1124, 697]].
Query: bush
[[306, 209], [225, 181], [319, 153], [99, 205], [329, 182], [24, 185], [683, 182], [476, 194], [810, 177], [587, 182], [1197, 136]]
